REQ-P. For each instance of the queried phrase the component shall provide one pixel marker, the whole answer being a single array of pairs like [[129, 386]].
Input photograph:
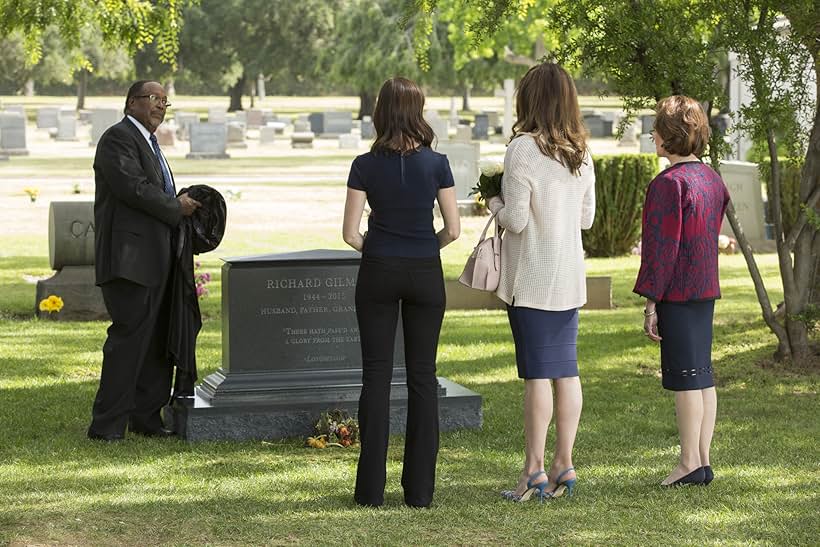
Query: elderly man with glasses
[[136, 210]]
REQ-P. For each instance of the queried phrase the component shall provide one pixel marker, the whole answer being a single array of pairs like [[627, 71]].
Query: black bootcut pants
[[418, 284]]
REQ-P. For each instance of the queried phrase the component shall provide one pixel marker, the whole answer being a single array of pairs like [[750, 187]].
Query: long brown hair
[[398, 118], [547, 108]]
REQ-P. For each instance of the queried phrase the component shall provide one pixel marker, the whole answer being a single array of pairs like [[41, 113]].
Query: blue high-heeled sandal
[[564, 486], [540, 488]]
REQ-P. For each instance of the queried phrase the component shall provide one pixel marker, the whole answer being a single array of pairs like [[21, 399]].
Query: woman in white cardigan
[[548, 197]]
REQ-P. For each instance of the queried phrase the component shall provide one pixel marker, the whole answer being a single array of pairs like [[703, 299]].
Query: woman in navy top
[[679, 277], [400, 270]]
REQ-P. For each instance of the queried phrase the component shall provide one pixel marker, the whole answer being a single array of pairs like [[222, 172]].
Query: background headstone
[[368, 131], [66, 126], [743, 182], [331, 124], [463, 158], [71, 254], [236, 135], [647, 146], [166, 134], [349, 141], [267, 134], [463, 134], [184, 120], [481, 127], [208, 141], [509, 91], [13, 134], [217, 114], [102, 119], [47, 117], [254, 119]]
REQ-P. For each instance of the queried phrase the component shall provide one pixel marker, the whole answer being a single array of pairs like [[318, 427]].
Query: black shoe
[[110, 438], [709, 476], [698, 476], [161, 432]]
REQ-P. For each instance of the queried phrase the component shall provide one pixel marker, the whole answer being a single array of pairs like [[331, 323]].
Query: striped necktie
[[166, 175]]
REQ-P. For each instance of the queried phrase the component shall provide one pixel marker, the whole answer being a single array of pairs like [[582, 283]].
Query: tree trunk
[[367, 103], [82, 86], [465, 97], [235, 92]]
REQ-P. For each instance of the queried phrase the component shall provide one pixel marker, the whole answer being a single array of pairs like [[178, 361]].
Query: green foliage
[[131, 24], [790, 172], [620, 189]]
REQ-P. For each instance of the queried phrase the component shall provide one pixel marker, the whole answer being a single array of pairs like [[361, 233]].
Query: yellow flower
[[32, 192], [51, 304]]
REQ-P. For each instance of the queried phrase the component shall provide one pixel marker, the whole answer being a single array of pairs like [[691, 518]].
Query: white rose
[[491, 168]]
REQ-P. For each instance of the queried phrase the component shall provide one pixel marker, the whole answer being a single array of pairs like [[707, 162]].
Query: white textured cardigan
[[545, 209]]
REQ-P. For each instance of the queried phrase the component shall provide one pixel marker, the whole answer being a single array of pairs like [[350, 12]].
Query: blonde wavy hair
[[547, 108]]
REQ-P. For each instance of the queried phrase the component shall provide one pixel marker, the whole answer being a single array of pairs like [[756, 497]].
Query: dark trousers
[[418, 284], [135, 382]]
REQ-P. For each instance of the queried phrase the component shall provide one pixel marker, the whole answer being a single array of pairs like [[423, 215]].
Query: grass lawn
[[56, 487]]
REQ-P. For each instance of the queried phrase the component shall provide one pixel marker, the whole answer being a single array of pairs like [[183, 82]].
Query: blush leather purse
[[483, 268]]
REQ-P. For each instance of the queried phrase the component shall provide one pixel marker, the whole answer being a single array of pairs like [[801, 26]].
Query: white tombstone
[[184, 120], [240, 116], [267, 134], [236, 135], [463, 134], [17, 108], [254, 118], [301, 139], [166, 134], [208, 141], [439, 125], [301, 126], [349, 141], [217, 114], [463, 158], [453, 112], [47, 117], [66, 126], [509, 90], [743, 182], [647, 145], [630, 136], [102, 119], [13, 134]]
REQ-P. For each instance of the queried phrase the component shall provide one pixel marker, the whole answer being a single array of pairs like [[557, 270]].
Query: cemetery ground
[[57, 487]]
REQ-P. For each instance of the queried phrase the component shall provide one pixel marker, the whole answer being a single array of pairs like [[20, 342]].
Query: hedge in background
[[620, 189], [790, 169]]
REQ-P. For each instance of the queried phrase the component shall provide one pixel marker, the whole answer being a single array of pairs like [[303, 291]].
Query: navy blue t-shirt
[[401, 190]]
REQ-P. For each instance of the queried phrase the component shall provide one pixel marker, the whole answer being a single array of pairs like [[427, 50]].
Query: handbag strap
[[498, 229]]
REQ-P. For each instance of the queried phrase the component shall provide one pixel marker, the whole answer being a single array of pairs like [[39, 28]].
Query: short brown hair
[[547, 108], [682, 124], [398, 117]]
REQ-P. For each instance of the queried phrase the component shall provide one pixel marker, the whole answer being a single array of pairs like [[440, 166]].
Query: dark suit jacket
[[133, 216]]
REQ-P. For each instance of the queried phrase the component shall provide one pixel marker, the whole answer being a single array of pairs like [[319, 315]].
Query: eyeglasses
[[155, 99]]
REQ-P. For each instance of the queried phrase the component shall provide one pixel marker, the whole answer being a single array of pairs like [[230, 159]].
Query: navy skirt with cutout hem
[[685, 329]]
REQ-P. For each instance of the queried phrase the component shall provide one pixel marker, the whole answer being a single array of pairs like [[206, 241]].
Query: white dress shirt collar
[[145, 132]]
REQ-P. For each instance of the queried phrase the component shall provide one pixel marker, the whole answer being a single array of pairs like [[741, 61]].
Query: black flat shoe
[[111, 438], [698, 476], [161, 432], [708, 475]]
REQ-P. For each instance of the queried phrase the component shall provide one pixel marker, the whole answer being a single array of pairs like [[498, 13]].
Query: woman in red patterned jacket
[[679, 277]]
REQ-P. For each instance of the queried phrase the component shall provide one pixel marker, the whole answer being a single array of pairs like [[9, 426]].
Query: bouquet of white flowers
[[489, 182]]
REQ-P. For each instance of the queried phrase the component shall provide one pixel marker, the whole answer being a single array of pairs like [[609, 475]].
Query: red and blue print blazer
[[682, 215]]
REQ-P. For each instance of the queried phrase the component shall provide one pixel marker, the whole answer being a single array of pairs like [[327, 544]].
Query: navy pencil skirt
[[685, 329], [544, 342]]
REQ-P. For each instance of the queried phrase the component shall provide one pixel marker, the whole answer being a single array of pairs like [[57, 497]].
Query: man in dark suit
[[135, 212]]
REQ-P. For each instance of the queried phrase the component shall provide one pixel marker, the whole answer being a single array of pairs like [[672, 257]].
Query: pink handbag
[[483, 268]]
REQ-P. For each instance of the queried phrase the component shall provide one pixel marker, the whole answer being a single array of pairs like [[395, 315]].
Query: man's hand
[[188, 204]]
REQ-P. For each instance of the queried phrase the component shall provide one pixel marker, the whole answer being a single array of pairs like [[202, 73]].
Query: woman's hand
[[650, 321], [495, 204]]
